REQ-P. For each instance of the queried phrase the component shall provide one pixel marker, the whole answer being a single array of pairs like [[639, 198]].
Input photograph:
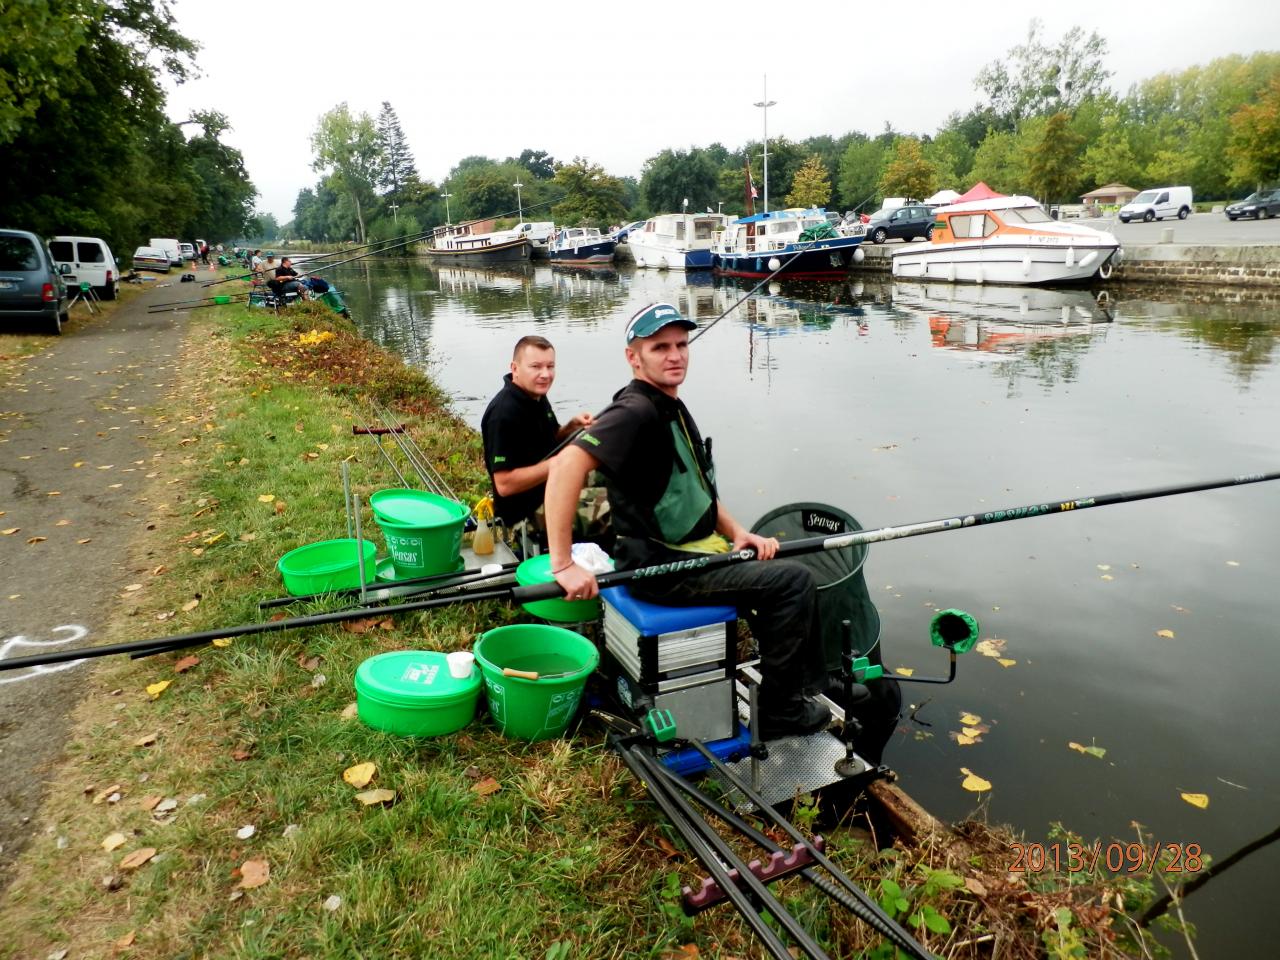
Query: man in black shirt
[[520, 428], [286, 280], [662, 493]]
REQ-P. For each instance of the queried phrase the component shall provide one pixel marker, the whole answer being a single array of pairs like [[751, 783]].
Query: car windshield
[[1254, 196], [17, 253], [1146, 196]]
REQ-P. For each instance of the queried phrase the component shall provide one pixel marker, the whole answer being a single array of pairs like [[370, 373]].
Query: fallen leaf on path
[[85, 540], [308, 663], [221, 641], [190, 605], [973, 782], [359, 626], [974, 886], [371, 797], [1167, 634], [126, 940], [167, 805], [10, 532], [254, 873], [133, 587], [1200, 800], [102, 795], [63, 523], [359, 775], [157, 688], [146, 741], [32, 540], [150, 803], [114, 840], [186, 663], [241, 754], [266, 497], [136, 859]]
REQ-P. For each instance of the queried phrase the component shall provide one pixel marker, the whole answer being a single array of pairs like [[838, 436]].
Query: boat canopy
[[782, 215]]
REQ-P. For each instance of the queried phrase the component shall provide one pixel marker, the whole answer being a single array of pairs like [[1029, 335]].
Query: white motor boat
[[1006, 240], [676, 241]]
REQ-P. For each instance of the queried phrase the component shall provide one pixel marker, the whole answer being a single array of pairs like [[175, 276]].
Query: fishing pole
[[782, 266], [694, 563], [381, 249], [218, 301], [325, 256], [436, 582]]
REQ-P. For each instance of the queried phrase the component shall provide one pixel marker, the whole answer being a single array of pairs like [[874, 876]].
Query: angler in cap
[[519, 429], [662, 494]]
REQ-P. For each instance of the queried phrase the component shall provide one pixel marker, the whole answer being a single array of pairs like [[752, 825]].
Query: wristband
[[562, 569]]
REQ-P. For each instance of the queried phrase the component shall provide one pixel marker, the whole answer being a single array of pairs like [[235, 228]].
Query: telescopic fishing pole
[[782, 266], [694, 564], [218, 301], [378, 243]]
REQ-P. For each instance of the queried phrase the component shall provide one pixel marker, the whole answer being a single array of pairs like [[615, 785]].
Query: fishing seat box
[[682, 659]]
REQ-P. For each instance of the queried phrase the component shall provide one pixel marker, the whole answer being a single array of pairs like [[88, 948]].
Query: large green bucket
[[423, 531], [535, 709]]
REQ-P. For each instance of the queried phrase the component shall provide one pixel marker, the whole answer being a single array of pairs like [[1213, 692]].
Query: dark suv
[[1260, 205], [30, 287], [906, 223]]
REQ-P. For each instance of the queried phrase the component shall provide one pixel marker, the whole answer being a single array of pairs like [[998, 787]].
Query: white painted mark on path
[[76, 633]]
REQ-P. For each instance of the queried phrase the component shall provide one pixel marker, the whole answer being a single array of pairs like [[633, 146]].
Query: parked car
[[1157, 204], [1260, 205], [171, 247], [31, 288], [90, 260], [187, 250], [151, 258], [905, 222], [620, 235]]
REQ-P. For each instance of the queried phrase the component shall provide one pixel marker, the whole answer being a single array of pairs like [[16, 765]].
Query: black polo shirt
[[519, 429], [633, 441]]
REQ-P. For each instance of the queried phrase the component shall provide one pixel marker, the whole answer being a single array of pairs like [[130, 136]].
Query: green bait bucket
[[423, 531], [534, 709], [412, 693], [325, 566]]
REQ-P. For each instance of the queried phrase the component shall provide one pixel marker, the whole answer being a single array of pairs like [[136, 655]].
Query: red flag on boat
[[751, 184]]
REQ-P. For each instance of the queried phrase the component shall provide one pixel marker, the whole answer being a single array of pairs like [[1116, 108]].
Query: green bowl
[[412, 693], [325, 566], [538, 570]]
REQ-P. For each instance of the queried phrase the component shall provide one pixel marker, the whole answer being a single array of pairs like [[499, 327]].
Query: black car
[[1260, 205], [905, 223], [31, 288]]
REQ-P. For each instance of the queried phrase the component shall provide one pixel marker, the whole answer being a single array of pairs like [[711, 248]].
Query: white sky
[[617, 82]]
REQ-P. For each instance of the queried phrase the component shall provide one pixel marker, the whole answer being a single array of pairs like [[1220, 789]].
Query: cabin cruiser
[[580, 245], [1006, 240], [788, 243], [676, 241]]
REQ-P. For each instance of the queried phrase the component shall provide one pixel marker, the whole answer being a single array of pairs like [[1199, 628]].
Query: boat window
[[1026, 215], [703, 230]]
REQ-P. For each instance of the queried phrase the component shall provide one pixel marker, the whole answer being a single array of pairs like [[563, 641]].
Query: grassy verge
[[208, 817]]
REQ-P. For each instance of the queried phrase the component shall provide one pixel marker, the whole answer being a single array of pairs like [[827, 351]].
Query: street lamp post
[[446, 197], [394, 214], [765, 104], [519, 202]]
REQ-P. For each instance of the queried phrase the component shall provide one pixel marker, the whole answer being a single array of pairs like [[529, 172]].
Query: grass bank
[[202, 809]]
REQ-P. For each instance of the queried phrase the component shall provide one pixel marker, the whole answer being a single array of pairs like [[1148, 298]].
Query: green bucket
[[327, 565], [534, 709], [423, 531], [537, 570], [412, 693]]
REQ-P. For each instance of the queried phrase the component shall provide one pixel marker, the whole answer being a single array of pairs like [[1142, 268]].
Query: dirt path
[[73, 466]]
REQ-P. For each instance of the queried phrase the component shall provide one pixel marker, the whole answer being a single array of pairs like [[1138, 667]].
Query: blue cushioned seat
[[652, 620]]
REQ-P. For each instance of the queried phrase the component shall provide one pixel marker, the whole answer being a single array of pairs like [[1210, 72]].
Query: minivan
[[1157, 204], [171, 247], [89, 260], [31, 288]]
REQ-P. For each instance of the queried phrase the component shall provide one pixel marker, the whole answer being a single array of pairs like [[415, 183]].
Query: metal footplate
[[779, 864]]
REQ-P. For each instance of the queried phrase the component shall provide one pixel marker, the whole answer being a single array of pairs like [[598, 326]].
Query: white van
[[89, 260], [1157, 204], [171, 247], [188, 251]]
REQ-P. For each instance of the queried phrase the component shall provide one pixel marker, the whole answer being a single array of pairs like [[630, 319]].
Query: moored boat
[[790, 243], [471, 243], [676, 241], [579, 246], [1006, 240]]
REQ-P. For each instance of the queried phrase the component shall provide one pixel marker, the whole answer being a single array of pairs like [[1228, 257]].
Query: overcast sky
[[618, 82]]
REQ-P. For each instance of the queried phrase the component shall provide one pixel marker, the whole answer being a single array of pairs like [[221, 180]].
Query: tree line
[[1046, 124], [87, 148]]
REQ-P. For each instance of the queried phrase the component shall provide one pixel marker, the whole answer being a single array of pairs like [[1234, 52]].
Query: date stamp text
[[1113, 856]]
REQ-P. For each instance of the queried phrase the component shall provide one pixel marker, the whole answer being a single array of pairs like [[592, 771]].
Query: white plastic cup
[[460, 663]]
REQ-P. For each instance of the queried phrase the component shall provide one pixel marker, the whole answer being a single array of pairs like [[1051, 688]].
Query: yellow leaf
[[190, 605], [350, 711], [222, 642], [78, 463], [85, 540], [157, 688], [970, 719], [113, 841], [266, 497], [132, 587], [963, 740], [904, 671], [214, 539], [973, 782], [1106, 576], [486, 786], [370, 797], [1167, 634], [254, 873], [1104, 567], [63, 523], [1200, 800], [127, 939], [359, 775], [1005, 662], [10, 532], [146, 741], [136, 859], [972, 731], [32, 540]]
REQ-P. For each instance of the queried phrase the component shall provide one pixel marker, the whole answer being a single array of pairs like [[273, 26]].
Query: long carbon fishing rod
[[214, 301], [782, 266], [693, 564], [389, 245]]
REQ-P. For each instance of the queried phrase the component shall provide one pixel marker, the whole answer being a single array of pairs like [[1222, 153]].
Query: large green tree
[[224, 193], [1254, 149], [1053, 163], [591, 197], [861, 167], [347, 148], [908, 172], [811, 186], [397, 168], [673, 176], [1037, 77]]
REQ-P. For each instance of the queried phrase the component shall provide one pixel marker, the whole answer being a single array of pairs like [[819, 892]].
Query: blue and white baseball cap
[[652, 318]]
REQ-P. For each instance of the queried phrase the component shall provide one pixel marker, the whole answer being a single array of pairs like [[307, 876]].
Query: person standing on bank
[[519, 429], [662, 493]]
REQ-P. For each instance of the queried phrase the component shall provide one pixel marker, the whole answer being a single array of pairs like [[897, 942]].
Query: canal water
[[1145, 630]]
